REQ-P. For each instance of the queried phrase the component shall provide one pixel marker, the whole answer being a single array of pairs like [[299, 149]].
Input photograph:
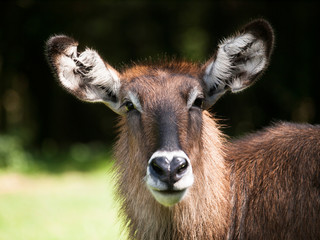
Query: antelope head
[[162, 105]]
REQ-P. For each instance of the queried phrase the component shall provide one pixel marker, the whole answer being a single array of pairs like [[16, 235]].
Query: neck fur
[[203, 214]]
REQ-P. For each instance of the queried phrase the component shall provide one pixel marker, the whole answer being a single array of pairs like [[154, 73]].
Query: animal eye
[[129, 106], [198, 103]]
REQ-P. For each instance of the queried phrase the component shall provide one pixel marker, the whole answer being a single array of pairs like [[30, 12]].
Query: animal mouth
[[168, 198], [171, 191]]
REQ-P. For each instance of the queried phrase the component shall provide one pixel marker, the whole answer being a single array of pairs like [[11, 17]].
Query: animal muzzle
[[169, 175]]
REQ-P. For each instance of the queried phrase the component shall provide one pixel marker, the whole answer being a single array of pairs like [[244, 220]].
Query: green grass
[[71, 205]]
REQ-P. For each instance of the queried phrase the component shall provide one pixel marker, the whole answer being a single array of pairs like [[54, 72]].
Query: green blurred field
[[70, 205]]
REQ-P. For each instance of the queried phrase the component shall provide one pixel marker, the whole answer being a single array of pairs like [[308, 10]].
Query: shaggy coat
[[275, 182], [205, 214], [178, 178]]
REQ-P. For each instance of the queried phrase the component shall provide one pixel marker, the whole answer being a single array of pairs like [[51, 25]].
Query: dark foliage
[[32, 103]]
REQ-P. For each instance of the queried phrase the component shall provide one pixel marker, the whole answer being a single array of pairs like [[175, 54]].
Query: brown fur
[[202, 215], [263, 186], [276, 179], [146, 218]]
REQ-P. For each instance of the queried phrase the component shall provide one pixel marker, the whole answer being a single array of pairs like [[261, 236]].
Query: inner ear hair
[[239, 60], [262, 29], [85, 75]]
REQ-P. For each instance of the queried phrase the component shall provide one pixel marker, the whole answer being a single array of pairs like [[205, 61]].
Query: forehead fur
[[155, 70], [159, 83]]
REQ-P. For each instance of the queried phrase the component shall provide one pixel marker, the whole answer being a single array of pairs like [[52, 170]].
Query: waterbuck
[[177, 175]]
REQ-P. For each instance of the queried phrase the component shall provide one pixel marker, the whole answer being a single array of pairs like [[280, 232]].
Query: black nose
[[178, 167], [168, 172]]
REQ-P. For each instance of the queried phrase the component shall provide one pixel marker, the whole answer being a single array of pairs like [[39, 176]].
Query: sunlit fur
[[263, 186], [203, 214], [276, 183]]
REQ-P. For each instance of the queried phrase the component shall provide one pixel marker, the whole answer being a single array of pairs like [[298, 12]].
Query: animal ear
[[85, 74], [239, 60]]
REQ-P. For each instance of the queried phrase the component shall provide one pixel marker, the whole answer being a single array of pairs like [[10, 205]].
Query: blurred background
[[38, 115], [44, 130]]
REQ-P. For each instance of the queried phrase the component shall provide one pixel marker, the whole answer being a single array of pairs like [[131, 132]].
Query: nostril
[[157, 168], [183, 167], [178, 167], [160, 167]]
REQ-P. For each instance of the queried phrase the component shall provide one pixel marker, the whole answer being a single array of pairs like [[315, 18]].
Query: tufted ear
[[85, 74], [239, 60]]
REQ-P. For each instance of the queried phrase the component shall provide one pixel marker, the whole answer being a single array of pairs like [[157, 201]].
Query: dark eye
[[129, 106], [198, 103]]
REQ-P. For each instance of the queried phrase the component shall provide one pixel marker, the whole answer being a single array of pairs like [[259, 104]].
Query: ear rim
[[57, 44], [85, 89], [259, 28]]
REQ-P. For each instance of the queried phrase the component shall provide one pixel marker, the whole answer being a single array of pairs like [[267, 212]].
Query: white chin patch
[[168, 199]]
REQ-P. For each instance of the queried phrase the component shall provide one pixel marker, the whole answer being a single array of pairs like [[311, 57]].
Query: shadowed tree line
[[34, 108]]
